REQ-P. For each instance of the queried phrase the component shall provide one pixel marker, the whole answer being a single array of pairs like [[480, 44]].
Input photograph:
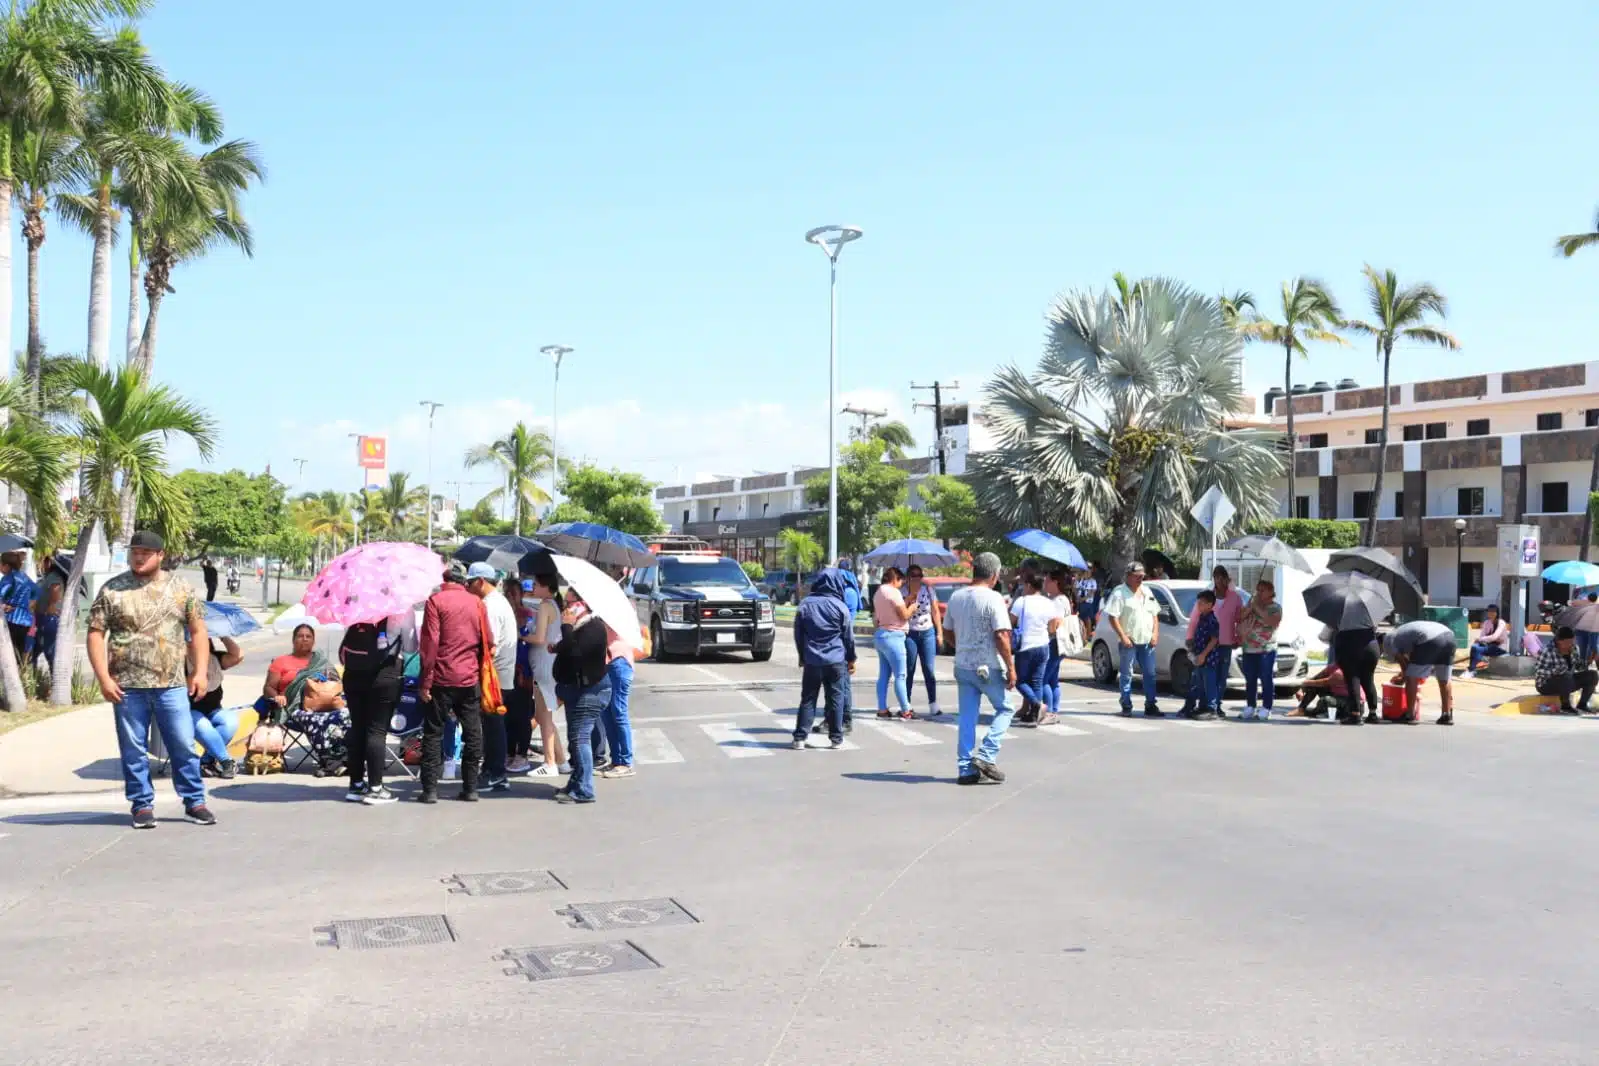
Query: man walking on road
[[452, 649], [824, 634], [1134, 614], [137, 651], [978, 624], [208, 570], [483, 582]]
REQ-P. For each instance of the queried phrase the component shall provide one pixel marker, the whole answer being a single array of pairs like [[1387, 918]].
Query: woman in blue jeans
[[214, 725], [921, 639], [1036, 618], [582, 684], [892, 617]]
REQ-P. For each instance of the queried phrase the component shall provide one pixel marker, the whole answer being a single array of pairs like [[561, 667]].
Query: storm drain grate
[[627, 914], [366, 934], [505, 884], [575, 960]]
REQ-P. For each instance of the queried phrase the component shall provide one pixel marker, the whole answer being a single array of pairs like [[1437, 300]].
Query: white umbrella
[[604, 597]]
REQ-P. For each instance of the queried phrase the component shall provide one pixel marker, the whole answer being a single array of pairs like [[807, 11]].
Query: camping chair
[[406, 723], [293, 736]]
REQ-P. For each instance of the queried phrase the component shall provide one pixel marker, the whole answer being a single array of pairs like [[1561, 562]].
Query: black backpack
[[367, 649]]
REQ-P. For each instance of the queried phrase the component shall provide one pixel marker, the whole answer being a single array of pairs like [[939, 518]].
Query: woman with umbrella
[[1352, 604]]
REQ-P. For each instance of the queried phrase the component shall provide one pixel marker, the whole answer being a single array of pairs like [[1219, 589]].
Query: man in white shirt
[[483, 580], [1134, 614], [977, 623]]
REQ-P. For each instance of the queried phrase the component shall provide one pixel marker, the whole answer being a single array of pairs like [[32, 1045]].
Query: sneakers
[[544, 769], [356, 794], [907, 715], [518, 765], [466, 797], [797, 745], [988, 770], [1049, 718], [885, 713], [144, 818], [227, 769], [1154, 712], [1247, 714], [379, 797], [199, 814], [969, 779], [427, 796], [1204, 716], [1372, 719], [835, 744], [1446, 719], [1126, 712], [616, 770], [1263, 714], [933, 711], [499, 784]]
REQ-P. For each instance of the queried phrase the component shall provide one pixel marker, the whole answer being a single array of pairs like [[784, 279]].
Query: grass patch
[[275, 610]]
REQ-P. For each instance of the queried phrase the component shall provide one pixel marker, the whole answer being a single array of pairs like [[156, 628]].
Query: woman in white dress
[[542, 633]]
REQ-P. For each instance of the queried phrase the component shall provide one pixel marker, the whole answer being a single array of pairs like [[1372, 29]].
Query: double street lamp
[[556, 352], [831, 240]]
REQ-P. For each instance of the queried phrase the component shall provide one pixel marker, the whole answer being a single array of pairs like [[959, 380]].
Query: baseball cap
[[147, 539], [483, 571], [1135, 568]]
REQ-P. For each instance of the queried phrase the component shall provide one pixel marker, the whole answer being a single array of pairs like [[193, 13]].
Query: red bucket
[[1394, 704]]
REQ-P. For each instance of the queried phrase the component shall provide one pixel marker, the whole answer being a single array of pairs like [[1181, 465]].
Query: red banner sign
[[373, 453]]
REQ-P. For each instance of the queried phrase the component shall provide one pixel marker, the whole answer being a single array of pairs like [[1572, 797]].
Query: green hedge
[[1316, 533]]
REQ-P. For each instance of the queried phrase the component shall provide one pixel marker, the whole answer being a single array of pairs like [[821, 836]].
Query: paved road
[[249, 588], [1136, 893]]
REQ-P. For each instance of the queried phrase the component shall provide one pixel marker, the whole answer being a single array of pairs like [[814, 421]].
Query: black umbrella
[[1270, 549], [1348, 601], [512, 554], [1153, 557], [1403, 588]]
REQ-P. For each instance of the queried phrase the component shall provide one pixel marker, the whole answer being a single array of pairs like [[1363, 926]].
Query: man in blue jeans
[[137, 647], [1134, 614], [977, 622], [824, 635]]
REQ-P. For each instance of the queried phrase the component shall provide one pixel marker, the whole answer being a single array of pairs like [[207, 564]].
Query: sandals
[[885, 713]]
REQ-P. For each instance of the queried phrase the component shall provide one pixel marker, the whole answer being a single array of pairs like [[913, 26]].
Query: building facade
[[1488, 449]]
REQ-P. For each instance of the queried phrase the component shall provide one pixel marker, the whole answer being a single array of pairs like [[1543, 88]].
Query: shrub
[[1316, 533]]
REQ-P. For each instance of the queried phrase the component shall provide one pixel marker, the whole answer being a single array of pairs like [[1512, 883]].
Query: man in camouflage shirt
[[145, 624]]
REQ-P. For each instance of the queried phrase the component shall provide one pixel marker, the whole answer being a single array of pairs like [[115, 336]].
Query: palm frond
[[1572, 243], [1430, 335]]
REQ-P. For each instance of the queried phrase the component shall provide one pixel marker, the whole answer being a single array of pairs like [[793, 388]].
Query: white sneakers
[[1251, 714], [546, 770]]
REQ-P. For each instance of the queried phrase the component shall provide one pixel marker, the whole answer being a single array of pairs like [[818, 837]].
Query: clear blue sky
[[448, 192]]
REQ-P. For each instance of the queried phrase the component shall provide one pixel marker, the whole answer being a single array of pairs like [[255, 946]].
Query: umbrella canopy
[[1348, 600], [1270, 549], [910, 552], [1153, 557], [228, 620], [1583, 616], [512, 554], [1049, 546], [596, 543], [604, 597], [14, 542], [1572, 572], [372, 581], [1403, 588]]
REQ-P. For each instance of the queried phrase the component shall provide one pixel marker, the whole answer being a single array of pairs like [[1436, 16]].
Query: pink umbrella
[[373, 581]]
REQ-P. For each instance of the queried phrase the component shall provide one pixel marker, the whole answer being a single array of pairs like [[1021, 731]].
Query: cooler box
[[1394, 705], [1455, 618]]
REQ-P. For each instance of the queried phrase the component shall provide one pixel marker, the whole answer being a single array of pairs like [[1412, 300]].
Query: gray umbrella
[[1270, 549], [1348, 601], [1403, 588], [1582, 616]]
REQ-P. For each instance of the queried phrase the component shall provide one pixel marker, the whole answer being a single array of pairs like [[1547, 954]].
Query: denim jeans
[[1145, 654], [922, 645], [495, 747], [1481, 652], [971, 692], [168, 708], [1260, 667], [214, 730], [583, 708], [45, 642], [618, 730], [1221, 665], [1202, 686], [1030, 667], [890, 644], [831, 680], [1052, 677]]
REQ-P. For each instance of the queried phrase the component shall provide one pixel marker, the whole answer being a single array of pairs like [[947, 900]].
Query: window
[[1470, 578], [644, 580], [1469, 501], [765, 508], [1363, 504], [1316, 440], [1374, 436], [1437, 430], [685, 516], [1477, 427], [1301, 506], [1414, 432], [1591, 417], [1555, 497], [1399, 505], [716, 512], [1551, 420], [704, 571]]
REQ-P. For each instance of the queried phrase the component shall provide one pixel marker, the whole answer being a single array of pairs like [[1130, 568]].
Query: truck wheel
[[657, 643], [761, 656], [1104, 666]]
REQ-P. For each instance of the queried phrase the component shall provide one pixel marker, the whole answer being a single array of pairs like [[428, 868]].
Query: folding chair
[[405, 725]]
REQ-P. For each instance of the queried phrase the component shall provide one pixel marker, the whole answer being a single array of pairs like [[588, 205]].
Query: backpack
[[366, 649]]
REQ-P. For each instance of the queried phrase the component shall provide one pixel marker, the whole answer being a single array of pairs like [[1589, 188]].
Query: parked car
[[696, 602], [782, 585], [1172, 663], [943, 588]]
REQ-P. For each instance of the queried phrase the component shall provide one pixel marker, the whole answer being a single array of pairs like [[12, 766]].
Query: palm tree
[[42, 163], [1237, 307], [895, 437], [183, 224], [904, 523], [122, 436], [1572, 243], [1119, 430], [1309, 314], [1128, 293], [325, 514], [798, 550], [370, 514], [33, 459], [523, 457], [401, 500], [1399, 313]]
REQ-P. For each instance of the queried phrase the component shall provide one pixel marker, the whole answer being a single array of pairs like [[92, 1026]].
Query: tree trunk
[[11, 677], [67, 626], [35, 339], [6, 187], [1288, 398], [1123, 540], [1587, 505], [100, 292], [134, 330], [1382, 450], [144, 359]]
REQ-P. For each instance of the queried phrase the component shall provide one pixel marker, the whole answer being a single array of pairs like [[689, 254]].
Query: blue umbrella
[[596, 544], [910, 552], [1573, 572], [229, 620], [1049, 546]]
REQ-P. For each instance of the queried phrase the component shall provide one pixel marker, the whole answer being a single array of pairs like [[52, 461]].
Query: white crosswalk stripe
[[899, 734], [1061, 729], [650, 746], [1121, 725], [735, 742]]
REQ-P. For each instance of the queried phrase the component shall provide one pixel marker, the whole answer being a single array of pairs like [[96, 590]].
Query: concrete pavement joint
[[47, 882]]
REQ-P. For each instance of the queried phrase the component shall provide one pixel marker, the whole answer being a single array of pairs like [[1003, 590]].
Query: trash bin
[[1455, 618]]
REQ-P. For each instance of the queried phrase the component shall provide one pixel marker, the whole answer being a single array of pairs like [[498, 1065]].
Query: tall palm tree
[[401, 500], [1309, 314], [895, 437], [904, 523], [33, 459], [325, 515], [1572, 243], [42, 163], [1237, 307], [185, 224], [523, 457], [1399, 312], [798, 550], [367, 508], [1119, 430], [122, 435]]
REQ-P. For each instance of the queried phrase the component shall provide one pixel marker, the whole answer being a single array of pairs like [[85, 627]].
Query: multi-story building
[[1511, 447]]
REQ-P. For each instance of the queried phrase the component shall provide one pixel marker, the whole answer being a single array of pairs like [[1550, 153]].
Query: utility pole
[[300, 474], [865, 416], [433, 408], [937, 407]]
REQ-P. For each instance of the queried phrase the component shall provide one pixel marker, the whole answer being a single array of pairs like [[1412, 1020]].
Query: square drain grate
[[366, 934], [627, 914], [575, 960], [505, 884]]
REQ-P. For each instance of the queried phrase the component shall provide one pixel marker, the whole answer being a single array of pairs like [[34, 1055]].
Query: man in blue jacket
[[824, 634]]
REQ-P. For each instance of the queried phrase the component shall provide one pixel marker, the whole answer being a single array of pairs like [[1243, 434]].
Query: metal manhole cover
[[365, 934], [505, 884], [575, 960], [627, 914]]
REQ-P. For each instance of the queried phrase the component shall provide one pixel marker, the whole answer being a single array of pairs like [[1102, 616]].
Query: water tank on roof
[[1273, 394], [1301, 389], [1321, 386], [1349, 383]]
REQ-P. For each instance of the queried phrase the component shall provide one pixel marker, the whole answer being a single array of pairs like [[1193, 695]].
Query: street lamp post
[[831, 240], [556, 352], [356, 535], [1460, 562], [432, 407]]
